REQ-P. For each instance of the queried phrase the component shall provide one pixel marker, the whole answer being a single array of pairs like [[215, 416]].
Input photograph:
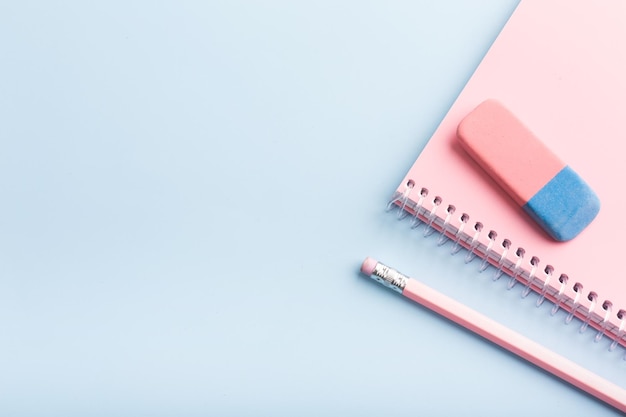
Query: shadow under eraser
[[553, 194]]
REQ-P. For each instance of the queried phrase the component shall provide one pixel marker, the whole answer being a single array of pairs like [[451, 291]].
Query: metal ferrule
[[389, 277]]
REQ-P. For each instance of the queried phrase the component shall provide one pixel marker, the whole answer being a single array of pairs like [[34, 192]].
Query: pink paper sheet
[[560, 66]]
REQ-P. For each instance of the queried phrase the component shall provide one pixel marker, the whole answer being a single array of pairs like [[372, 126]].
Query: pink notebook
[[560, 66]]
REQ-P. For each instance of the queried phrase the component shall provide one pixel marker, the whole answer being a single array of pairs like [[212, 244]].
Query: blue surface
[[189, 188], [564, 206]]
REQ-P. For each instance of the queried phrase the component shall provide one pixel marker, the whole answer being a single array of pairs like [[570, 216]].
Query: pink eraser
[[539, 182], [368, 266]]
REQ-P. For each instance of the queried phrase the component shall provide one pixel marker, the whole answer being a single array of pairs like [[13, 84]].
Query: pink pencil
[[500, 335]]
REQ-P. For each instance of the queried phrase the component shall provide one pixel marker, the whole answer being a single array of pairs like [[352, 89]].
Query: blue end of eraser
[[564, 206]]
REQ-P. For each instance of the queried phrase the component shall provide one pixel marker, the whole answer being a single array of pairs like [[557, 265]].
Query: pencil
[[497, 333]]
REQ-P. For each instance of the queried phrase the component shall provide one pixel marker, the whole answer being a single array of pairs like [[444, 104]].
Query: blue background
[[188, 190]]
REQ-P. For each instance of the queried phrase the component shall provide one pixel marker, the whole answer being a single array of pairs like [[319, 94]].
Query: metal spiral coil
[[430, 212]]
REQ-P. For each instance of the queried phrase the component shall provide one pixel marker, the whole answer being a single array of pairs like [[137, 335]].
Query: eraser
[[555, 196], [368, 266]]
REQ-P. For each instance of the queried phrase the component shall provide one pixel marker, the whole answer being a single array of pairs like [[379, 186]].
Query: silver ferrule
[[389, 277]]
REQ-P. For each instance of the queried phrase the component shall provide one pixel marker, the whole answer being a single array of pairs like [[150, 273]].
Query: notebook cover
[[560, 66]]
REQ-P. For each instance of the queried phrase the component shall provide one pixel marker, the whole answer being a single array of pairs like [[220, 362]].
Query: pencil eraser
[[368, 266], [553, 194]]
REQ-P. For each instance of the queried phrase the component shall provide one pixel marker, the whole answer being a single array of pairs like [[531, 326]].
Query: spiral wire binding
[[467, 236]]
